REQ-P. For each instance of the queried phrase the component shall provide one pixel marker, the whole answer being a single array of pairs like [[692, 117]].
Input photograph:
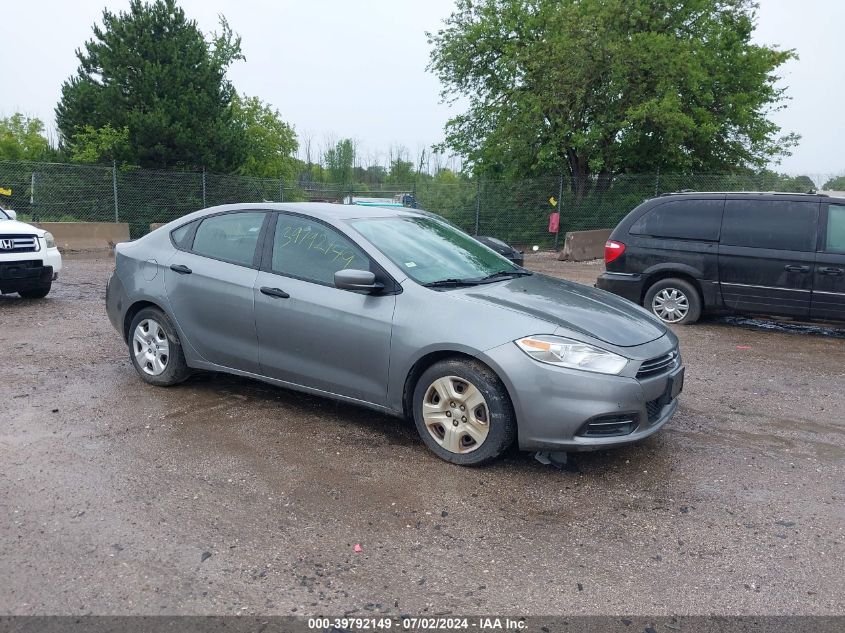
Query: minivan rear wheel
[[463, 412], [674, 301]]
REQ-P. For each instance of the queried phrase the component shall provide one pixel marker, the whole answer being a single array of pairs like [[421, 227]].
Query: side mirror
[[13, 215], [358, 280]]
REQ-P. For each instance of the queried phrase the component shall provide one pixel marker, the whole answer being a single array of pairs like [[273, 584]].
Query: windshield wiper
[[451, 283], [504, 274]]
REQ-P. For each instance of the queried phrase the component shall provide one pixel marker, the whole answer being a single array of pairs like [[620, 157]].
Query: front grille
[[653, 409], [18, 244], [658, 365], [20, 270], [609, 426]]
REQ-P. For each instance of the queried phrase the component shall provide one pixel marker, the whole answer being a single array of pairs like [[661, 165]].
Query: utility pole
[[477, 203], [114, 188], [559, 207]]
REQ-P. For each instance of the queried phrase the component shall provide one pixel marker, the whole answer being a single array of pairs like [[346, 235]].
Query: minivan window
[[682, 219], [231, 237], [835, 241], [777, 224]]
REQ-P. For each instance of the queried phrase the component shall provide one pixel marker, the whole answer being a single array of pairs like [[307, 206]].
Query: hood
[[573, 306], [13, 227]]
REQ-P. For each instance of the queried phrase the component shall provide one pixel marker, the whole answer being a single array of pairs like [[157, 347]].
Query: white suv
[[29, 259]]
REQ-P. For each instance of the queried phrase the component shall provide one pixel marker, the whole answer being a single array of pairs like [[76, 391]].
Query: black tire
[[500, 415], [176, 369], [36, 293], [684, 289]]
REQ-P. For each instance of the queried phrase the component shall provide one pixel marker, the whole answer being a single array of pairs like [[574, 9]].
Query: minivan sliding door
[[766, 255]]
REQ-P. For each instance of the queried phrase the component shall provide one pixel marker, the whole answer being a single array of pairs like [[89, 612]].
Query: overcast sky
[[337, 68]]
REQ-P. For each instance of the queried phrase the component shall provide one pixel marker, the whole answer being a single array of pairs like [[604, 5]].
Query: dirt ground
[[229, 496]]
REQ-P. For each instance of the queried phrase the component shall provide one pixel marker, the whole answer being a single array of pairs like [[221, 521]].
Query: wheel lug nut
[[454, 422], [452, 404], [463, 408], [448, 414], [463, 419]]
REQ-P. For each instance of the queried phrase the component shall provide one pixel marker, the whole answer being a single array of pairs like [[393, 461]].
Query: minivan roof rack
[[766, 193]]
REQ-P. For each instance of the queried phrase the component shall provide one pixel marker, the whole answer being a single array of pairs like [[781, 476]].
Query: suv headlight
[[563, 352], [49, 240]]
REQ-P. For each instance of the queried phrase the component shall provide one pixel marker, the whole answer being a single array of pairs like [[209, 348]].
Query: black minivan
[[777, 254]]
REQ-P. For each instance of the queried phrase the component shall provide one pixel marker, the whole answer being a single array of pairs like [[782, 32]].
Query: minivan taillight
[[613, 250]]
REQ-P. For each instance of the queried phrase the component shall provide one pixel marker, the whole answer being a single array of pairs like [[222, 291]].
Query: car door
[[311, 333], [210, 285], [829, 278], [767, 254]]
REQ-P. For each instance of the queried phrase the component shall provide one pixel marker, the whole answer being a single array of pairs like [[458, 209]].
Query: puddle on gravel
[[788, 327]]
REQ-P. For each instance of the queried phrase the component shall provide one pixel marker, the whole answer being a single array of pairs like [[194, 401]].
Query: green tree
[[270, 143], [835, 184], [340, 161], [22, 138], [152, 71], [401, 173], [603, 87], [97, 145]]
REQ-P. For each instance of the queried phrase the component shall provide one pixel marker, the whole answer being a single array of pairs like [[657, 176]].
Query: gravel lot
[[229, 496]]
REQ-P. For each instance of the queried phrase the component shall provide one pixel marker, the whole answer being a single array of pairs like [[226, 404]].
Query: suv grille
[[659, 365], [18, 244]]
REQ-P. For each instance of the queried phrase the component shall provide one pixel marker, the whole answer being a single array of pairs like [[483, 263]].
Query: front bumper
[[24, 275], [626, 285], [556, 407]]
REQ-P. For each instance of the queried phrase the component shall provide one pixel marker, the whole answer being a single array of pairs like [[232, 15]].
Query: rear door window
[[231, 237], [777, 224], [835, 242], [682, 219]]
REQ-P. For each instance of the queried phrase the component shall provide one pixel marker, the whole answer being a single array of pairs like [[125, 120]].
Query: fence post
[[657, 183], [559, 209], [114, 188], [281, 190], [477, 203], [204, 203]]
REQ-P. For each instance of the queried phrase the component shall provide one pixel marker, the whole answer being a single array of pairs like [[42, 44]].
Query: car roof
[[734, 195], [321, 210]]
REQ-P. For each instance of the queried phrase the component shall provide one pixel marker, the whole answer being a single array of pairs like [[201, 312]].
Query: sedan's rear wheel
[[463, 412], [155, 349]]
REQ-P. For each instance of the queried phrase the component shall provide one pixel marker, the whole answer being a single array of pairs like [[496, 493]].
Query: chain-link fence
[[513, 210]]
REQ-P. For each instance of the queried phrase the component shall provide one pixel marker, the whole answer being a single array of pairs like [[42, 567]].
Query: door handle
[[182, 270], [274, 292], [795, 268], [836, 272]]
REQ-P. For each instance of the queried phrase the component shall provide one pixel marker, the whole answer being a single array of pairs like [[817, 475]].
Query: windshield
[[430, 251]]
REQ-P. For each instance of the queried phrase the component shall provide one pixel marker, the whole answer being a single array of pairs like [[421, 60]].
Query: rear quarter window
[[682, 219], [776, 224]]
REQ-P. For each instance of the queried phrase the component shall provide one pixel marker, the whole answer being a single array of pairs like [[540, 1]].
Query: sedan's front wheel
[[155, 349], [463, 413]]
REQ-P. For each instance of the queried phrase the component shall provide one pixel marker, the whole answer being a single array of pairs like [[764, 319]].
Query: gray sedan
[[394, 310]]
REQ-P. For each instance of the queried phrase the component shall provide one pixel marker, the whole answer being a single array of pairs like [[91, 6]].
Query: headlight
[[49, 240], [564, 352]]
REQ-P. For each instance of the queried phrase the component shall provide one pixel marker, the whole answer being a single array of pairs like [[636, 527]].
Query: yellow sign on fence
[[5, 192]]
